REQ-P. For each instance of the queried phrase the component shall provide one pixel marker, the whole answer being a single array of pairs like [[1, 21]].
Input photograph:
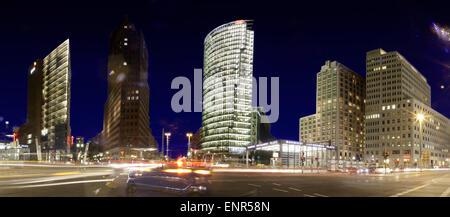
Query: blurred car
[[363, 171], [169, 178]]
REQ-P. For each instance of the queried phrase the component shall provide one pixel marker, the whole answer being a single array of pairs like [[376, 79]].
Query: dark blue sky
[[292, 42]]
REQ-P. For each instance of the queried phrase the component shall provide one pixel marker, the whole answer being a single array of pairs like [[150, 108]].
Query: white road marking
[[320, 195], [97, 190], [250, 193], [295, 189], [276, 184], [410, 190], [446, 192], [254, 185], [276, 189], [309, 195]]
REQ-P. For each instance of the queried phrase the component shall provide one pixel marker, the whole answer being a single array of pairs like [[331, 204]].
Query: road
[[29, 181]]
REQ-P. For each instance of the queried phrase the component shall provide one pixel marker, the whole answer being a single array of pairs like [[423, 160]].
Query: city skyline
[[198, 103], [163, 116]]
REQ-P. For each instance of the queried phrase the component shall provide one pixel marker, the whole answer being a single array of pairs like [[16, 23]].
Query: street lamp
[[189, 135], [420, 117], [167, 137]]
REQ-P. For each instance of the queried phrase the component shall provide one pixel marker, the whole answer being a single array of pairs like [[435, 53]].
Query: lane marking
[[250, 193], [309, 195], [276, 184], [295, 189], [320, 195], [255, 185], [446, 192], [410, 190], [276, 189], [97, 190], [66, 173]]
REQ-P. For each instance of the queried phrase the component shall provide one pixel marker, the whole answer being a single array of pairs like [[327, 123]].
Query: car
[[170, 178]]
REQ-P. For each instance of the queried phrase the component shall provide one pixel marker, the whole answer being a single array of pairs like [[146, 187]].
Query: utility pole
[[162, 142], [246, 153], [167, 136], [86, 151], [189, 135], [38, 151], [421, 143]]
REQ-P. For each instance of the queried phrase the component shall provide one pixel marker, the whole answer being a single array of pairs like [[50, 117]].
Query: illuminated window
[[125, 39], [124, 63], [125, 44]]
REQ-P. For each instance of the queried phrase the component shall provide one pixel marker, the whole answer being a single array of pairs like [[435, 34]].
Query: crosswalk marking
[[276, 189]]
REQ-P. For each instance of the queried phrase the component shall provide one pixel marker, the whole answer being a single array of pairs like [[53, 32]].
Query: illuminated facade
[[48, 117], [56, 97], [126, 112], [294, 154], [396, 93], [339, 118], [227, 87]]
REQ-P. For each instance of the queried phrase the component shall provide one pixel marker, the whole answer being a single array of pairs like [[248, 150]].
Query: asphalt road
[[108, 182]]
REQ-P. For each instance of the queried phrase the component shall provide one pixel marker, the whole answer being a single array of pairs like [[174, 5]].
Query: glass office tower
[[56, 99], [227, 87], [48, 116]]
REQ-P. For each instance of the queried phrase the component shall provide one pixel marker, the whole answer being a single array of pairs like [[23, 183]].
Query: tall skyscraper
[[260, 128], [227, 87], [48, 116], [339, 118], [396, 94], [126, 116]]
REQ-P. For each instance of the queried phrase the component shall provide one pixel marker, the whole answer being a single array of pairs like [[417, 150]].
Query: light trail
[[231, 170], [57, 177], [60, 183], [52, 165]]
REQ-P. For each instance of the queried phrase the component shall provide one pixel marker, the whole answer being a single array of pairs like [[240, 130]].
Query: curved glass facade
[[227, 87]]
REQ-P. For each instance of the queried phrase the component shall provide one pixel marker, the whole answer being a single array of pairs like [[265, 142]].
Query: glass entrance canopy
[[293, 154]]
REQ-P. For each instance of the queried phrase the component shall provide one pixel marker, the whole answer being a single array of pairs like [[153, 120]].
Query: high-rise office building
[[227, 87], [397, 93], [126, 112], [260, 128], [339, 118], [31, 130], [48, 116]]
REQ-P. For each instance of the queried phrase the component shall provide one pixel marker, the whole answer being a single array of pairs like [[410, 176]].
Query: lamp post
[[168, 134], [420, 118], [189, 135]]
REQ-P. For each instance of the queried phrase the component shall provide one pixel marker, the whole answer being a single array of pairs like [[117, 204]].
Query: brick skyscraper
[[126, 117]]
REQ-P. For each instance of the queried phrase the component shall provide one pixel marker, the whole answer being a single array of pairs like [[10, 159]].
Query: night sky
[[292, 42]]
